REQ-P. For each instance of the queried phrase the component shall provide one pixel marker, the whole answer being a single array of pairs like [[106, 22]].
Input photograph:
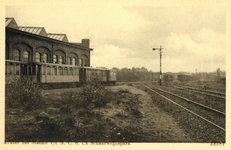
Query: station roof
[[34, 30], [10, 22], [40, 31], [60, 37]]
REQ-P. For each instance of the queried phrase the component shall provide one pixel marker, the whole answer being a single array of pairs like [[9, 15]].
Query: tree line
[[142, 74], [135, 74]]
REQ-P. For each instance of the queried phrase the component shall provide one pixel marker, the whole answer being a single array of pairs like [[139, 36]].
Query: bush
[[22, 92], [94, 94]]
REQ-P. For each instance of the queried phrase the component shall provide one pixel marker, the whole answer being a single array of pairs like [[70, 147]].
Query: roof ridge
[[56, 33], [29, 27]]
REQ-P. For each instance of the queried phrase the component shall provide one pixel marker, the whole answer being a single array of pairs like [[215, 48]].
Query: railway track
[[208, 100], [204, 92], [212, 116]]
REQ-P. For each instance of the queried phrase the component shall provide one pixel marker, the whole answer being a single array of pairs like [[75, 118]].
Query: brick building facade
[[33, 44]]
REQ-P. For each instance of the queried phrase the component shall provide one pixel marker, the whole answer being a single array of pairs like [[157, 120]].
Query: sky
[[193, 37]]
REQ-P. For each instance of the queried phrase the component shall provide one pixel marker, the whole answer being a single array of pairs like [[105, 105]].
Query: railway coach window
[[17, 69], [10, 69], [43, 70], [54, 69], [65, 71], [71, 72], [37, 57], [103, 73], [75, 72], [60, 71], [48, 70], [16, 54], [33, 70]]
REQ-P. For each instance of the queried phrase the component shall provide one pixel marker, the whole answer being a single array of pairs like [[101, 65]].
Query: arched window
[[25, 56], [81, 62], [55, 59], [73, 61], [85, 63], [69, 60], [45, 58], [37, 57], [60, 59], [16, 54]]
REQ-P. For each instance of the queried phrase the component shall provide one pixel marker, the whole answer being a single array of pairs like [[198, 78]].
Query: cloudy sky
[[193, 36]]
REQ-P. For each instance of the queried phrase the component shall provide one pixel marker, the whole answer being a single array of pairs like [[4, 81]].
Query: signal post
[[160, 60]]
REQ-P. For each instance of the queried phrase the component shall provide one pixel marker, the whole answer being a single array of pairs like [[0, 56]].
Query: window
[[43, 70], [33, 69], [10, 69], [48, 70], [73, 61], [71, 71], [55, 59], [81, 62], [77, 72], [16, 54], [60, 71], [17, 69], [74, 72], [85, 64], [37, 57], [55, 70], [25, 56], [69, 60], [45, 58], [65, 71], [60, 59]]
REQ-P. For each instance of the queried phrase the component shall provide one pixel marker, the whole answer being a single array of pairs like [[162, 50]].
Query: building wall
[[33, 44]]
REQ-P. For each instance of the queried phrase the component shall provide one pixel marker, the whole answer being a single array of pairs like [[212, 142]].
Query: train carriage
[[42, 73], [104, 76], [14, 69], [112, 77]]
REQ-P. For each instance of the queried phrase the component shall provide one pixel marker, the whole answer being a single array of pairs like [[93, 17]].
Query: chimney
[[86, 43]]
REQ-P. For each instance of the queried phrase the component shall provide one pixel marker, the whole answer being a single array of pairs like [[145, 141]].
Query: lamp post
[[160, 60]]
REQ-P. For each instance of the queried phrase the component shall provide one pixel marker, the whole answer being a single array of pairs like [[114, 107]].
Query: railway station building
[[34, 44]]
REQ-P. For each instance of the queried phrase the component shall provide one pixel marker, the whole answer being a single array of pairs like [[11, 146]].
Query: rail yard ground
[[121, 113]]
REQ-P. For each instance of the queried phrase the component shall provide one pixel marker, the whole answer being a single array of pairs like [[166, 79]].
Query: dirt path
[[156, 124]]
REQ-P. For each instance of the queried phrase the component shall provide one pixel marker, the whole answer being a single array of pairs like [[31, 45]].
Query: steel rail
[[186, 109], [199, 92], [191, 101], [208, 91]]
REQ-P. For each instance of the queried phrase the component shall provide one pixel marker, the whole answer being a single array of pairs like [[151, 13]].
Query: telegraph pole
[[160, 60]]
